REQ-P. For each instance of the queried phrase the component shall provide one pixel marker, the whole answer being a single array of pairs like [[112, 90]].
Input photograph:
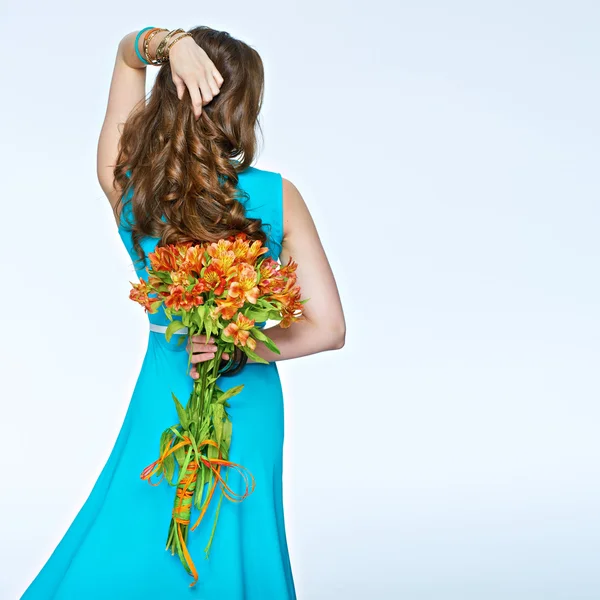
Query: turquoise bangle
[[137, 39]]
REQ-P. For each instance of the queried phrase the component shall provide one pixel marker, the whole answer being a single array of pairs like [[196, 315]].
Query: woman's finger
[[214, 85], [202, 357], [179, 86], [207, 94], [194, 370], [218, 77], [201, 338], [199, 344], [195, 95], [202, 350]]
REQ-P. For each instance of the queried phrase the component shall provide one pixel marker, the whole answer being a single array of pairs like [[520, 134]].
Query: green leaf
[[199, 315], [218, 416], [255, 357], [176, 432], [165, 439], [269, 343], [186, 462], [199, 491], [263, 302], [209, 473], [227, 426], [226, 338], [208, 326], [232, 391], [155, 306], [180, 455], [169, 467], [172, 327], [210, 379], [181, 412], [257, 315]]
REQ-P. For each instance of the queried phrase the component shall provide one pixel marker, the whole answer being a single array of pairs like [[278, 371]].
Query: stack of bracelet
[[162, 52], [235, 364]]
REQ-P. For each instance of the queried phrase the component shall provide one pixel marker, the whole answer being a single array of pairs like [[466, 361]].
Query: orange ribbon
[[184, 493]]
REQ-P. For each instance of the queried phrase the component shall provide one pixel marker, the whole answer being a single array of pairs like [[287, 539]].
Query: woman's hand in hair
[[191, 68]]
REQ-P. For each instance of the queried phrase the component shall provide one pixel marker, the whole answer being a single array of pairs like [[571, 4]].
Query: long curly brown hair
[[184, 171]]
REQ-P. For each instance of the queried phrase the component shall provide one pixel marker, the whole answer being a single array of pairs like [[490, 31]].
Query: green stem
[[214, 527], [200, 386]]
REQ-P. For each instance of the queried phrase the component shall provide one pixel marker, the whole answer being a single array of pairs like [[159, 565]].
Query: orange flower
[[194, 259], [288, 319], [255, 250], [240, 248], [199, 288], [244, 284], [219, 249], [139, 293], [179, 299], [289, 294], [246, 252], [163, 259], [240, 331], [180, 277], [180, 250], [291, 307], [270, 282], [214, 277], [268, 268], [289, 270], [154, 282], [221, 253], [227, 307]]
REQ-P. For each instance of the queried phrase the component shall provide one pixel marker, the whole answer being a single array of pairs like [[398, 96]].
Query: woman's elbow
[[337, 338]]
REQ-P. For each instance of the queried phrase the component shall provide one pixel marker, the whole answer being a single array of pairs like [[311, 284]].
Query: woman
[[179, 170]]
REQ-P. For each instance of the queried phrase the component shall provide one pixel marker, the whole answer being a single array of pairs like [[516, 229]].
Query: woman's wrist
[[127, 48]]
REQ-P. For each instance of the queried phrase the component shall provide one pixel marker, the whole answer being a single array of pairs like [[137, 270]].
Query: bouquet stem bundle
[[200, 446]]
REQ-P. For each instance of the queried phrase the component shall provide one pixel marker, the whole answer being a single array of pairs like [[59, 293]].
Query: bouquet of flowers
[[220, 289]]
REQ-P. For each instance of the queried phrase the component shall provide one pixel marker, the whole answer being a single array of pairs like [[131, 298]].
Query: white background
[[448, 152]]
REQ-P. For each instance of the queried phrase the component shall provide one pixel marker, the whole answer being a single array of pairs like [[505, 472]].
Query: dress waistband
[[183, 330], [163, 328]]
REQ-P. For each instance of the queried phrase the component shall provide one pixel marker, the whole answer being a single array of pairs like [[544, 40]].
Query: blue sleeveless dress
[[115, 547]]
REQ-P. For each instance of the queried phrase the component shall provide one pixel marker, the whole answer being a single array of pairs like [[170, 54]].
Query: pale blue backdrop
[[449, 154]]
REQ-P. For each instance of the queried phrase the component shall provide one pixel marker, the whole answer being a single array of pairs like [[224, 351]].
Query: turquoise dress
[[115, 547]]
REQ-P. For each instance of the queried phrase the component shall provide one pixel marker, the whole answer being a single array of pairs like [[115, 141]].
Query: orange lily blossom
[[245, 284], [239, 331]]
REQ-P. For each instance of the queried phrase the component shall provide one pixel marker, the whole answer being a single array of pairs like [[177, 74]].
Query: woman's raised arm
[[190, 67], [127, 89]]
